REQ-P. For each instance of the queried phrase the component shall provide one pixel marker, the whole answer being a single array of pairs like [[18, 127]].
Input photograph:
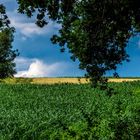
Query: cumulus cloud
[[23, 63], [38, 68]]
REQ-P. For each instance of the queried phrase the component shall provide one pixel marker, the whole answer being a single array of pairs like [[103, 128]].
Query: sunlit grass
[[74, 80], [59, 80]]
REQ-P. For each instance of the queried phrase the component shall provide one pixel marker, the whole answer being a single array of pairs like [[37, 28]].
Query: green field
[[69, 112]]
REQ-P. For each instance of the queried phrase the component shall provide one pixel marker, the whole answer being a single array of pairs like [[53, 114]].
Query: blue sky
[[40, 58]]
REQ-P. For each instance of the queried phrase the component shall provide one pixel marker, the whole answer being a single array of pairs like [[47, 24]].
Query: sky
[[40, 58]]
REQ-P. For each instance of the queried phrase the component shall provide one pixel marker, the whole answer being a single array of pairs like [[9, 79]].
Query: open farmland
[[69, 112], [76, 80], [61, 80]]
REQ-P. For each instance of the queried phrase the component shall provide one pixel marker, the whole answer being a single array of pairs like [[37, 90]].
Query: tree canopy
[[95, 31], [7, 55]]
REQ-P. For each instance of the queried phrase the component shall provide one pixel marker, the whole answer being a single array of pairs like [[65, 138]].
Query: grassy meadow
[[66, 111]]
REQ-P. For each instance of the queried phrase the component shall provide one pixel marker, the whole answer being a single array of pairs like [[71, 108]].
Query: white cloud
[[27, 26], [27, 29], [38, 68]]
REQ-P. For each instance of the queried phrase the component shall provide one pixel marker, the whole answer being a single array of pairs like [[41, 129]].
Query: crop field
[[69, 112], [62, 80], [75, 80]]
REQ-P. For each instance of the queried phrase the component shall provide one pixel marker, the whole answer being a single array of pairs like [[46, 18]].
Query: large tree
[[7, 55], [95, 31]]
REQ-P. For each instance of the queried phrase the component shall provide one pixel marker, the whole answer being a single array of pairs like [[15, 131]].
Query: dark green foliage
[[95, 31], [69, 111], [7, 55]]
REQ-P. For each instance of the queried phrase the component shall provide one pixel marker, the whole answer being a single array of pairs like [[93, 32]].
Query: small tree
[[7, 55]]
